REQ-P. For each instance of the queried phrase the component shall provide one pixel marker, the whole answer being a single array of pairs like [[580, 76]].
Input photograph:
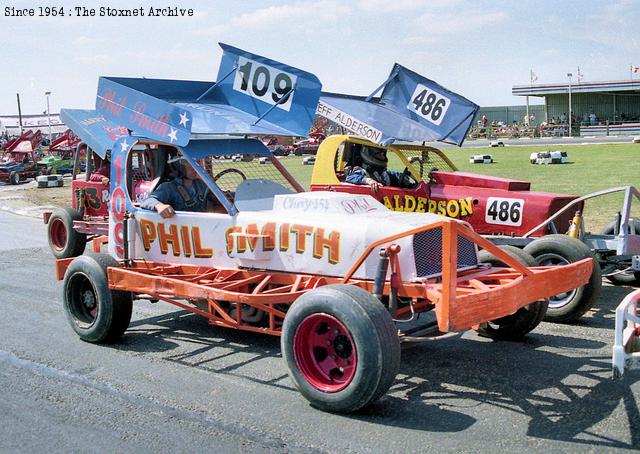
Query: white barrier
[[481, 159], [549, 157], [50, 181], [627, 335]]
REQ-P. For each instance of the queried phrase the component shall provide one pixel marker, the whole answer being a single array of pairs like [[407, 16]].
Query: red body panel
[[67, 141], [96, 197], [28, 141], [491, 205]]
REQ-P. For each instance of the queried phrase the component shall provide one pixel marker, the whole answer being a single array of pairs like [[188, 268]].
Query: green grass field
[[591, 168]]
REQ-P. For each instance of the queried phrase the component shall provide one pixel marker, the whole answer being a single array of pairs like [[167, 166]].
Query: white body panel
[[320, 233]]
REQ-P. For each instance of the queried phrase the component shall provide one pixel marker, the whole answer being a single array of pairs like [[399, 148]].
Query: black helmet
[[177, 164], [371, 156]]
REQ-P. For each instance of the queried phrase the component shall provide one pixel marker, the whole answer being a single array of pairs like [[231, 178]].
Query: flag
[[534, 76], [635, 69]]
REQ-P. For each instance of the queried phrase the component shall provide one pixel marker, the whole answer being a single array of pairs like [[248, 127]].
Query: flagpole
[[530, 84]]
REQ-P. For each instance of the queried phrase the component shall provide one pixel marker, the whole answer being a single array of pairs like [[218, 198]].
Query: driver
[[186, 192], [374, 171]]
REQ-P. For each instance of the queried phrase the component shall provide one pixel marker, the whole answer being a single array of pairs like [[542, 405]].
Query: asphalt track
[[176, 384]]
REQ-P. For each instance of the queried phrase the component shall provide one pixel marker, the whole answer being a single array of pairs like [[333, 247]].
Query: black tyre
[[341, 347], [96, 313], [64, 240], [626, 278], [515, 326], [14, 178], [561, 250]]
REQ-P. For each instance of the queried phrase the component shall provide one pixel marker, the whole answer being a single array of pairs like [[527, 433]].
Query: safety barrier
[[627, 335]]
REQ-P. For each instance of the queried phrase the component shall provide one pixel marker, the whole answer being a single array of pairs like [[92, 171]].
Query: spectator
[[592, 118]]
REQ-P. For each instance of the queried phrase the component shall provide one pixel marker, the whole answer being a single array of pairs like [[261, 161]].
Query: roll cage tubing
[[208, 180]]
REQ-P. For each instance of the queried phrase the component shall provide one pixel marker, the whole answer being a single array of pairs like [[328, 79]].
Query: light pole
[[569, 75], [47, 94]]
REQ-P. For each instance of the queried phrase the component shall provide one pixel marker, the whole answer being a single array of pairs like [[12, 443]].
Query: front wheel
[[558, 250], [14, 178], [96, 313], [341, 347], [515, 326]]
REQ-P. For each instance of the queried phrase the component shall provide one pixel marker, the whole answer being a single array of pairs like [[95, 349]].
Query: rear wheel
[[64, 240], [629, 277], [96, 313], [558, 250], [341, 347], [14, 178], [515, 326]]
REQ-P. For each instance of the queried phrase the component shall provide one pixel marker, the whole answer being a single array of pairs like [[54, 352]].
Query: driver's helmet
[[376, 157], [177, 164]]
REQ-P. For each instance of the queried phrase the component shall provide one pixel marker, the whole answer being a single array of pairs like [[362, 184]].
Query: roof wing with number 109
[[252, 96]]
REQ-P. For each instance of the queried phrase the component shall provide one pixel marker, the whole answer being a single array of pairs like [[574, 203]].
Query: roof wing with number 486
[[411, 108]]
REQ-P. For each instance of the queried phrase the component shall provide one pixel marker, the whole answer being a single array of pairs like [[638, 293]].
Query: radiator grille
[[427, 249]]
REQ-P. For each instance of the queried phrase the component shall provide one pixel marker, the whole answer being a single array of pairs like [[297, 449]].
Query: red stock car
[[18, 166], [505, 210]]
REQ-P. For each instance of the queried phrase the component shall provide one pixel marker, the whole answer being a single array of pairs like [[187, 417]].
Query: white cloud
[[441, 23], [430, 27], [295, 16], [84, 40], [611, 21], [422, 39], [387, 6]]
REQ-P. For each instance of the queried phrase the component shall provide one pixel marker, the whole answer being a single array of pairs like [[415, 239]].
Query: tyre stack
[[549, 157], [481, 159], [50, 181]]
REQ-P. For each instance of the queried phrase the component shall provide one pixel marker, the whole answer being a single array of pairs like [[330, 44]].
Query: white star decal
[[172, 135], [124, 145], [183, 119]]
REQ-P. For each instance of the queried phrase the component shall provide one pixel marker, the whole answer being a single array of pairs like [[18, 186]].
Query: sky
[[477, 48]]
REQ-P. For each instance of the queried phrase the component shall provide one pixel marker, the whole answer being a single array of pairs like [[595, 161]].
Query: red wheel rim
[[58, 234], [325, 353]]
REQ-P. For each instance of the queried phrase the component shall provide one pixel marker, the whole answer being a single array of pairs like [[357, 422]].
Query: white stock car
[[340, 277]]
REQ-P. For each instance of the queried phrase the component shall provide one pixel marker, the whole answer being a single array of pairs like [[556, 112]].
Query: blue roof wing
[[93, 129], [253, 95], [124, 102], [266, 89], [411, 108]]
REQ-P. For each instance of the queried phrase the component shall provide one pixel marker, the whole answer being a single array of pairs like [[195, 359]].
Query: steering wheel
[[433, 169], [408, 177], [228, 171]]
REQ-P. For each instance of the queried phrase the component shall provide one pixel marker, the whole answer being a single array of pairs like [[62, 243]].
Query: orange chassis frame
[[462, 300]]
